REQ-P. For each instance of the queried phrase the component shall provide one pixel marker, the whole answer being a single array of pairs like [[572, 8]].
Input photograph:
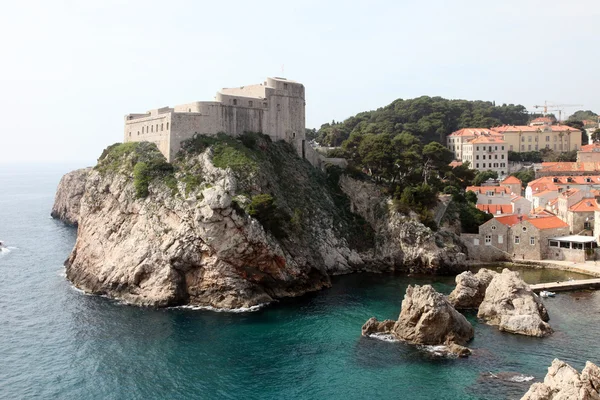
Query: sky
[[71, 69]]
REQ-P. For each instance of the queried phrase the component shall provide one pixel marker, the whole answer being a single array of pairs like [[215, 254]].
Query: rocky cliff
[[232, 223], [68, 196]]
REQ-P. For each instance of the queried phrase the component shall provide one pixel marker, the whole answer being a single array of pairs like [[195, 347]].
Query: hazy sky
[[70, 70]]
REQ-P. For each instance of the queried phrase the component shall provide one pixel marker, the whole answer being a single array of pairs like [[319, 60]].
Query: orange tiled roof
[[484, 189], [487, 139], [473, 132], [511, 179], [456, 163], [592, 147], [563, 180], [585, 205], [545, 192], [570, 166], [510, 220], [540, 212], [548, 223], [553, 202], [542, 119], [496, 209]]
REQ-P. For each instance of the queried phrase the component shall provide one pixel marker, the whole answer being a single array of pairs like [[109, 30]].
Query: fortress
[[275, 108]]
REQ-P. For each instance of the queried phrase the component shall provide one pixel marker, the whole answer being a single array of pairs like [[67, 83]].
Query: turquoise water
[[56, 343]]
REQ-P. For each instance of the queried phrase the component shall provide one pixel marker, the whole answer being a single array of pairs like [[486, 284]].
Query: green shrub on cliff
[[263, 208]]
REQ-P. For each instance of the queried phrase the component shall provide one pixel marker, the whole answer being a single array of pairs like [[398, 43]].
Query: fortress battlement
[[275, 108]]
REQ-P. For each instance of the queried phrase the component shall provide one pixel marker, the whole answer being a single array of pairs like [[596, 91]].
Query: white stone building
[[487, 153], [275, 108]]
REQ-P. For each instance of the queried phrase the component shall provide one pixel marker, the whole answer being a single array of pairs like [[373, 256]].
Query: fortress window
[[151, 128], [167, 126], [189, 110], [156, 127], [162, 127], [265, 105], [138, 133], [235, 102], [278, 107], [285, 85], [294, 135], [250, 103], [142, 129]]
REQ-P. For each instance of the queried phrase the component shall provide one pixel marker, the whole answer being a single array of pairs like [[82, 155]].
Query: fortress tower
[[275, 107]]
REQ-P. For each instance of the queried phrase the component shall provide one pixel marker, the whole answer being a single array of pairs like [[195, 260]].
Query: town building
[[580, 217], [589, 153], [518, 236], [275, 108], [548, 187], [540, 135], [486, 153], [514, 183], [492, 194], [456, 140]]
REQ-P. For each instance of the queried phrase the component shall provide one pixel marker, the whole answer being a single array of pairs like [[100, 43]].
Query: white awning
[[574, 239]]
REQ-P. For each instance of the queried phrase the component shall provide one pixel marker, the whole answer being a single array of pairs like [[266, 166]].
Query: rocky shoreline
[[197, 236]]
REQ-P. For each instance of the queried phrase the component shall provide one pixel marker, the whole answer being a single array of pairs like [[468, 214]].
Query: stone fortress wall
[[275, 107]]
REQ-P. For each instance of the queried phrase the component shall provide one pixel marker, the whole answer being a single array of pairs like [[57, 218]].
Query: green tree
[[483, 176], [596, 135], [436, 159]]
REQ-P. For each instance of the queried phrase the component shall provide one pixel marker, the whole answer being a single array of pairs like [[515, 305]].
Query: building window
[[555, 138], [477, 148], [477, 157], [529, 147], [142, 129], [553, 243], [477, 165], [250, 103], [294, 135], [488, 240], [502, 156], [490, 201], [156, 127], [167, 126], [536, 147], [495, 147], [500, 239], [265, 105], [138, 133], [522, 138], [475, 241], [493, 228], [511, 147], [532, 240], [523, 147], [529, 138], [484, 156], [129, 134], [235, 102], [189, 110], [548, 146], [483, 165], [495, 156], [502, 147], [278, 107], [516, 240], [555, 145], [162, 127], [547, 138], [285, 86], [524, 229], [587, 225], [151, 128]]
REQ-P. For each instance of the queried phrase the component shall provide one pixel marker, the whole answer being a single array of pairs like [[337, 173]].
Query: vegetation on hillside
[[581, 115], [427, 118], [543, 155]]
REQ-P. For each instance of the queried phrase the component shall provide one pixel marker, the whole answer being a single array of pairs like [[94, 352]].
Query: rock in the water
[[68, 196], [458, 350], [428, 318], [374, 326], [470, 289], [510, 304], [562, 382]]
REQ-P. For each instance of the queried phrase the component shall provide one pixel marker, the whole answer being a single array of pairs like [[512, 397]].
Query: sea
[[59, 343]]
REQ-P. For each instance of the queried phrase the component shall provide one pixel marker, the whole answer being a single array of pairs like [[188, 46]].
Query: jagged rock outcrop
[[510, 304], [160, 235], [68, 196], [373, 326], [427, 317], [404, 241], [562, 382], [470, 289]]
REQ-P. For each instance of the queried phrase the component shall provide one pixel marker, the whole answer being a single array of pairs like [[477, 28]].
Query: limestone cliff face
[[68, 196], [403, 240], [564, 382], [189, 236]]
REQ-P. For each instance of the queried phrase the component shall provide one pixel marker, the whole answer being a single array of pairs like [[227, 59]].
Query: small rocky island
[[233, 223], [563, 382]]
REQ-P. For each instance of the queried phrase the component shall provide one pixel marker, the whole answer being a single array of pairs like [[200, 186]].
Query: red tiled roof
[[511, 220], [456, 163], [548, 223], [585, 205], [569, 192], [592, 147], [570, 166], [511, 179], [496, 209], [563, 180], [487, 139], [473, 132], [484, 189]]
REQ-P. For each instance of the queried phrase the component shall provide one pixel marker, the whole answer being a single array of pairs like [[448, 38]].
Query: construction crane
[[556, 107]]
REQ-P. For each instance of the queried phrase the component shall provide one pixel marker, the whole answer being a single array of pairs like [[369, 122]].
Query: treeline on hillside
[[412, 173], [427, 118]]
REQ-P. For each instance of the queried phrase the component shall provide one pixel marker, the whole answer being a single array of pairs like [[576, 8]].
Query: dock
[[581, 284]]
